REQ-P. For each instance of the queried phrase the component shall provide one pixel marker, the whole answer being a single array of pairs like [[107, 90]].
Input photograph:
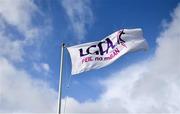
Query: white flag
[[94, 55]]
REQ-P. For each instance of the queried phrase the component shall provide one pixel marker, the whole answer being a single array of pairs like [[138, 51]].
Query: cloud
[[10, 49], [20, 93], [46, 67], [80, 16], [17, 28], [42, 67], [149, 86], [19, 90], [18, 13]]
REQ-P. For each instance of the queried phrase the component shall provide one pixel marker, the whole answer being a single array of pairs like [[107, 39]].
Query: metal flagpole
[[60, 78]]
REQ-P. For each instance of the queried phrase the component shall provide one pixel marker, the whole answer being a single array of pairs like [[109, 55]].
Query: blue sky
[[32, 31]]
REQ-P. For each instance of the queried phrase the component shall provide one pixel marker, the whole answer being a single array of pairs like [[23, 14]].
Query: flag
[[95, 55]]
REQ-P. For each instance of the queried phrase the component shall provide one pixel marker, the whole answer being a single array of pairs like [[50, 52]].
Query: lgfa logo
[[99, 47]]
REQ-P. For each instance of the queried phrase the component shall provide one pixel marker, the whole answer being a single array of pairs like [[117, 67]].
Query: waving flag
[[94, 55]]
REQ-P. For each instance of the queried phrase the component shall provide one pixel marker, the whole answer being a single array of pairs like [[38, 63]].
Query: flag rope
[[67, 87]]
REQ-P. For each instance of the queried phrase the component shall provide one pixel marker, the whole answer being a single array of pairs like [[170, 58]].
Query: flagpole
[[60, 78]]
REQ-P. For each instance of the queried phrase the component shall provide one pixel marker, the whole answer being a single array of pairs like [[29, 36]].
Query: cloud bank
[[19, 92], [149, 86]]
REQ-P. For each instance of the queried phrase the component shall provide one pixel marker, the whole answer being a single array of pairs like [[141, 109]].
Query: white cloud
[[17, 28], [20, 93], [14, 14], [80, 15], [18, 13], [46, 67], [150, 86], [42, 67], [10, 49]]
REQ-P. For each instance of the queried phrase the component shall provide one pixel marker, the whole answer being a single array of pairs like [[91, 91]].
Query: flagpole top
[[63, 44]]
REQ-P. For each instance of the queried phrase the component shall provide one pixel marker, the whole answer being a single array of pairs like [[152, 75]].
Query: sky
[[31, 34]]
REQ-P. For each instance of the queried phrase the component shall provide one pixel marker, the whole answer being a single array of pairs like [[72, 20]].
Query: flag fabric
[[94, 55]]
